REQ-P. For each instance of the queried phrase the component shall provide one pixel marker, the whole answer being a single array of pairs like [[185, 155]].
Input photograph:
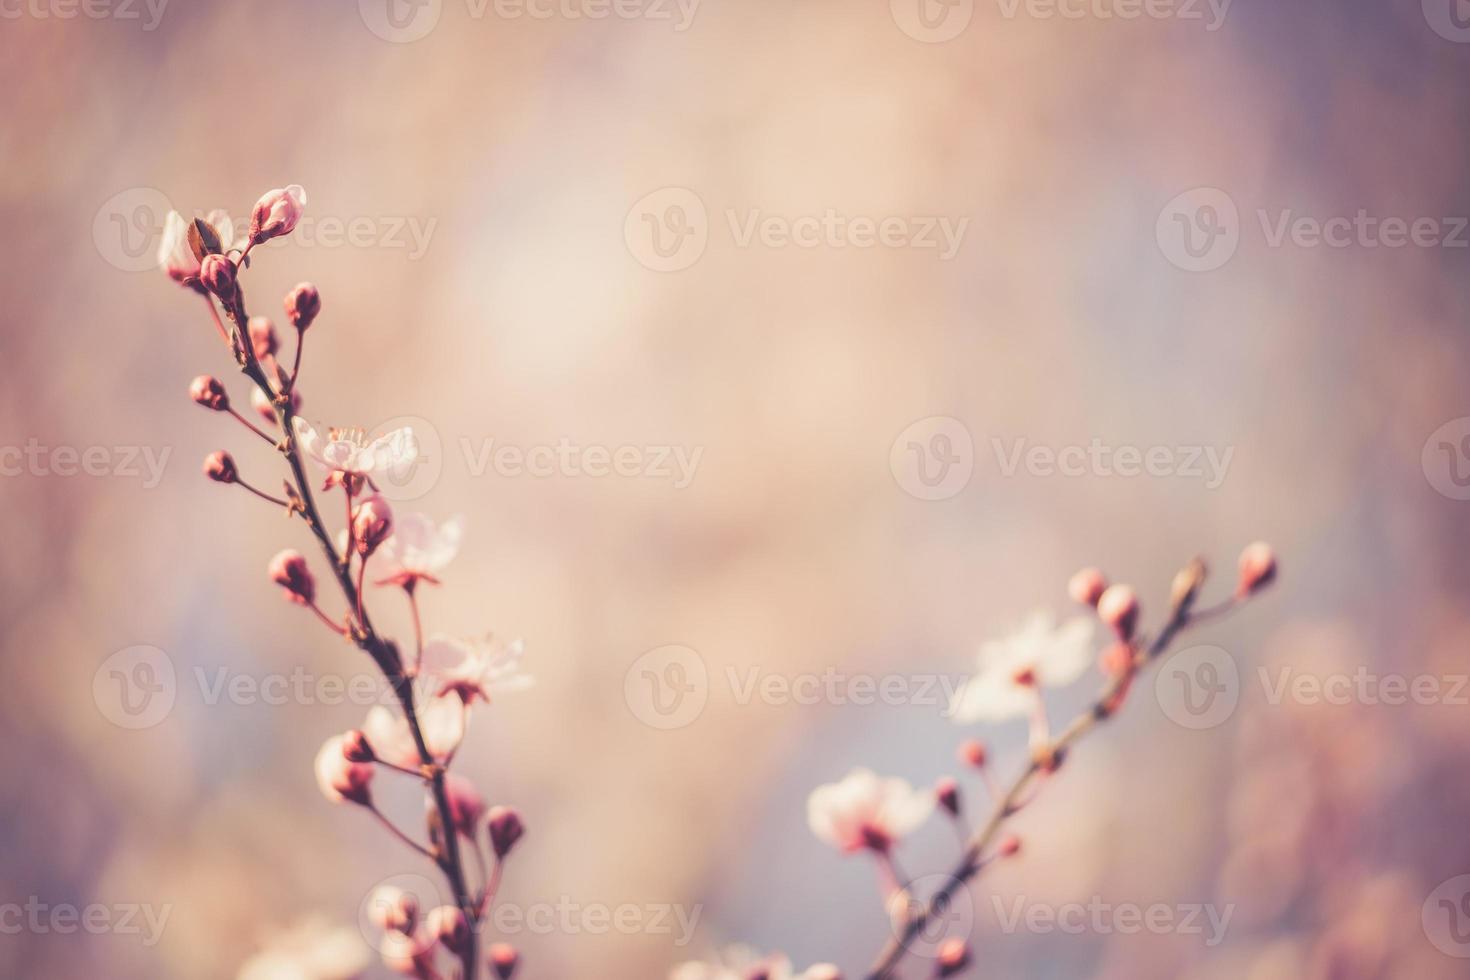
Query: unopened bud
[[277, 212], [1087, 586], [289, 570], [302, 305], [209, 392], [219, 466], [372, 522], [357, 748], [1009, 846], [266, 410], [953, 956], [1117, 660], [972, 753], [504, 959], [1118, 607], [263, 337], [947, 792], [392, 909], [505, 829], [217, 273], [1257, 568], [448, 925]]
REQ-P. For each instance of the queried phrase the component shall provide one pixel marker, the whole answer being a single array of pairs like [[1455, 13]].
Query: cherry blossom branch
[[1046, 758]]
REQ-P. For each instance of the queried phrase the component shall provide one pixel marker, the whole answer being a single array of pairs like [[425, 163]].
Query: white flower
[[865, 811], [743, 962], [418, 549], [475, 669], [349, 451], [175, 257], [310, 950], [441, 720], [1039, 654]]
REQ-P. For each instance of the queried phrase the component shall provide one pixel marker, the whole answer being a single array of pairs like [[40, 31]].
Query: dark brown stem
[[251, 426], [261, 493], [399, 833], [384, 654]]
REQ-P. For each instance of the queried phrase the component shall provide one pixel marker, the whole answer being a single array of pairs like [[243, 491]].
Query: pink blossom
[[1040, 653], [340, 780], [176, 257], [466, 805], [475, 670], [350, 451], [441, 720], [865, 811], [419, 549], [277, 212]]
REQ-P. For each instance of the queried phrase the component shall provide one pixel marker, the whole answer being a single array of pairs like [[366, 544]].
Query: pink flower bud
[[1257, 568], [263, 338], [947, 792], [466, 806], [289, 570], [448, 925], [217, 273], [392, 909], [277, 213], [266, 410], [953, 957], [505, 829], [219, 466], [342, 781], [1118, 607], [503, 960], [1010, 846], [372, 522], [356, 747], [1087, 586], [972, 753], [411, 954], [302, 305], [208, 392], [1117, 660]]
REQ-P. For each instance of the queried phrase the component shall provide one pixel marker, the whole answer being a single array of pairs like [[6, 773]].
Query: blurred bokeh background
[[537, 230]]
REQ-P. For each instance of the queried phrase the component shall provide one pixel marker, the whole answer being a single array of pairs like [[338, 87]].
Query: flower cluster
[[435, 689], [865, 813]]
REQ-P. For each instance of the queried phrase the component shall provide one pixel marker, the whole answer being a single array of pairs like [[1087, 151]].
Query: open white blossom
[[441, 720], [176, 257], [311, 950], [419, 549], [1039, 654], [865, 811], [475, 669], [350, 451], [743, 962]]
